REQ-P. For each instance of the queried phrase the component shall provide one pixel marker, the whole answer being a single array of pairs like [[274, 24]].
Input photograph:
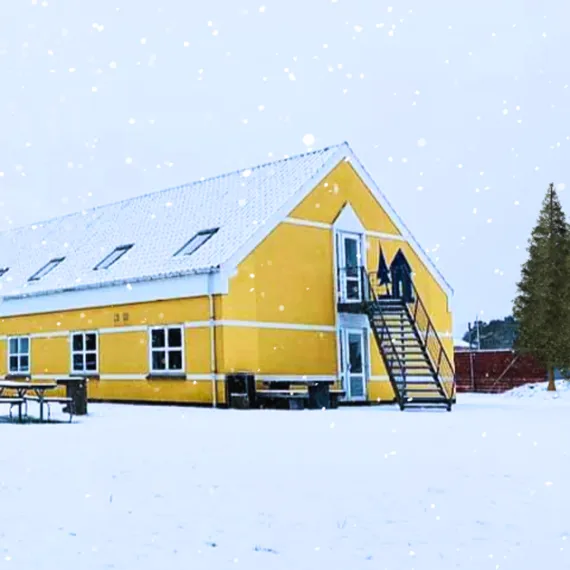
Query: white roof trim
[[194, 285]]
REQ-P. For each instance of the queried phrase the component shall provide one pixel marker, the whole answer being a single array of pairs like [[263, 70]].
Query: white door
[[349, 260], [353, 364]]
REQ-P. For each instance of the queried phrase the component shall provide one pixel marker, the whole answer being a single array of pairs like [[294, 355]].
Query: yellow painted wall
[[176, 391], [277, 351], [120, 353], [156, 313], [3, 355], [50, 356], [340, 186], [288, 278], [123, 353]]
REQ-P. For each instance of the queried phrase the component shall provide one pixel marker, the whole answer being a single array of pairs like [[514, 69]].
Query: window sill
[[86, 375], [18, 376], [166, 376]]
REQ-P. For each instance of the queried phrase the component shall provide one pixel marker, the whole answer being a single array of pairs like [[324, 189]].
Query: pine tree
[[541, 307]]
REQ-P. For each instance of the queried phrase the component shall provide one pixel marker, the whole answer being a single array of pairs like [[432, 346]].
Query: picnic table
[[317, 393], [22, 389]]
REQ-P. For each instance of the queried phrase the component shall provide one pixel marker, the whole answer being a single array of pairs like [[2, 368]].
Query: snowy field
[[484, 487]]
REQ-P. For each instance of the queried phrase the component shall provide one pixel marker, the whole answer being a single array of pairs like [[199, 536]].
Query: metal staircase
[[418, 367]]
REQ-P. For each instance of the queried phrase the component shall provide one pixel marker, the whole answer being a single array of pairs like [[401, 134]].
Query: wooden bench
[[52, 400], [297, 398], [307, 392], [13, 401]]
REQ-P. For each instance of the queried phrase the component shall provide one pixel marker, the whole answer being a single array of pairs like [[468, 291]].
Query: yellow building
[[279, 270]]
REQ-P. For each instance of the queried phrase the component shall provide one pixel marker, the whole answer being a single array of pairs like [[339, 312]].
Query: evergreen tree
[[541, 307]]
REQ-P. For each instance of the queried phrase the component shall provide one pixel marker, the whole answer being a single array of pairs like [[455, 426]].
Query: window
[[84, 358], [3, 271], [196, 242], [19, 355], [47, 268], [166, 349], [113, 257]]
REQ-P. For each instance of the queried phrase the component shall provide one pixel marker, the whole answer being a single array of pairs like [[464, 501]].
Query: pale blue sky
[[454, 108]]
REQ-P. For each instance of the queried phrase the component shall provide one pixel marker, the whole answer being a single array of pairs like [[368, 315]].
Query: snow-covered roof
[[242, 206], [158, 224]]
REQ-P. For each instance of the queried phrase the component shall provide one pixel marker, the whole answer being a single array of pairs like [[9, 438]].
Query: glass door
[[353, 364], [349, 261]]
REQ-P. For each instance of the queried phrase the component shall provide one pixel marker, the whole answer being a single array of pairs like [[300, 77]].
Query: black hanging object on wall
[[401, 272], [383, 272]]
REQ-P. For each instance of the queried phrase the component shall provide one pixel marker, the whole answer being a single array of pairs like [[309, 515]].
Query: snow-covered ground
[[484, 487]]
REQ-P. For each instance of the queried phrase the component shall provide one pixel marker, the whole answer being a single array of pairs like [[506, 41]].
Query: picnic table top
[[17, 385]]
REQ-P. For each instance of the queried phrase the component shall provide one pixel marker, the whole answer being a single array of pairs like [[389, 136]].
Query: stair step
[[422, 391], [430, 382], [424, 401]]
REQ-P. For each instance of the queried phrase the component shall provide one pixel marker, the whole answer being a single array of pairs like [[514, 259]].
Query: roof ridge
[[85, 211]]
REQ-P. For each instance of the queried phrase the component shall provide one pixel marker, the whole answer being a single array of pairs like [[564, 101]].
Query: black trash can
[[319, 396], [240, 390], [76, 389]]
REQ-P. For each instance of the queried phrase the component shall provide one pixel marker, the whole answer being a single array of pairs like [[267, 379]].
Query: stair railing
[[370, 298], [432, 343]]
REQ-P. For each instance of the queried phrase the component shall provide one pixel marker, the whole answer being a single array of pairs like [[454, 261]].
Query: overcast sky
[[460, 110]]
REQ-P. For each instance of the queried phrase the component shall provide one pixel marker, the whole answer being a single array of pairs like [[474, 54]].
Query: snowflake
[[309, 140]]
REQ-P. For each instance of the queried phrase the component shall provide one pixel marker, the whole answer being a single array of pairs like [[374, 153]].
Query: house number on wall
[[121, 318]]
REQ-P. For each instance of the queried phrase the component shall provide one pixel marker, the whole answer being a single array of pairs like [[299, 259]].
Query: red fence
[[494, 371]]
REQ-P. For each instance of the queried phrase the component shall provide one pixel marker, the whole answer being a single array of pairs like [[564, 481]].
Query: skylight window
[[3, 271], [113, 257], [196, 242], [47, 268]]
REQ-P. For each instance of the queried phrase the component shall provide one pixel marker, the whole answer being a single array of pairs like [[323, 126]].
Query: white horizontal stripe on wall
[[282, 326], [296, 377], [197, 377], [48, 376], [46, 334], [308, 223], [117, 330], [123, 377], [324, 226], [201, 324], [262, 325], [381, 235]]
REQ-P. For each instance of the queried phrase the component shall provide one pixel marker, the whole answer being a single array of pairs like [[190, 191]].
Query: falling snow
[[212, 96]]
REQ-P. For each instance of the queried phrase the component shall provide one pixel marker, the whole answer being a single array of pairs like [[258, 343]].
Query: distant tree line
[[498, 333]]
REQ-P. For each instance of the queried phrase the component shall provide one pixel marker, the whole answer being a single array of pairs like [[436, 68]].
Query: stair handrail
[[370, 296], [441, 355]]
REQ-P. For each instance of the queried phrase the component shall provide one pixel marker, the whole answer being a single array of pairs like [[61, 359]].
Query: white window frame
[[166, 348], [84, 352], [20, 354]]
